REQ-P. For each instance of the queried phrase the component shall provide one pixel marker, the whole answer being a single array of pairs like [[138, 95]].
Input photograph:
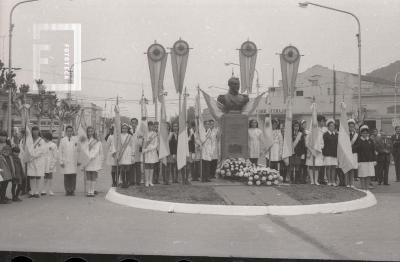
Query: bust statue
[[233, 101]]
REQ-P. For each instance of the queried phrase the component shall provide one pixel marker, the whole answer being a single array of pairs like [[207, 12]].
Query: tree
[[39, 101]]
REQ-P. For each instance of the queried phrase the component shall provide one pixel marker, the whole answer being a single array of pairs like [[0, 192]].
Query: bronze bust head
[[233, 101]]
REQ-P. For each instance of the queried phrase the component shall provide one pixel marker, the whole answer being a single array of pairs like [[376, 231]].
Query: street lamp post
[[395, 95], [70, 72], [305, 4], [10, 30]]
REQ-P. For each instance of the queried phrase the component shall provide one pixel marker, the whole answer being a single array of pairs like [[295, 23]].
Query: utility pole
[[334, 93]]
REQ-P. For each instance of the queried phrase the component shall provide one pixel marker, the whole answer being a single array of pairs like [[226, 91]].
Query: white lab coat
[[95, 155], [255, 135], [37, 163], [51, 157], [275, 152], [68, 152], [150, 151], [128, 155]]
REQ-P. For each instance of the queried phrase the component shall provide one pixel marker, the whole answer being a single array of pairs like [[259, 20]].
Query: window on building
[[272, 89], [299, 93]]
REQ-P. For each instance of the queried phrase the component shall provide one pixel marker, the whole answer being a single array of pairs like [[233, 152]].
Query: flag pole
[[198, 132], [117, 160]]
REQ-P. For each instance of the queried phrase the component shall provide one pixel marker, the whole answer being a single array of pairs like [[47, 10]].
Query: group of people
[[28, 161], [134, 160], [137, 161], [318, 164]]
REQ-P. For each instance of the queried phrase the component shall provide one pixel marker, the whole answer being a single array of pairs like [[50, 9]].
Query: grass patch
[[176, 193], [311, 194]]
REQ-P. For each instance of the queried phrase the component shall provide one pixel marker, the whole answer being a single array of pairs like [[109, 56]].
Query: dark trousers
[[136, 174], [124, 171], [397, 166], [213, 168], [173, 172], [165, 174], [15, 189], [156, 173], [382, 170], [196, 170], [114, 176], [3, 189], [69, 182], [340, 174], [206, 167]]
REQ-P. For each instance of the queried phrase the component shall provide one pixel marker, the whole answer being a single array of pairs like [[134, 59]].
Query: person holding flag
[[93, 150], [314, 144], [299, 152], [51, 162], [255, 141], [330, 152], [150, 154], [274, 156], [124, 153], [183, 145]]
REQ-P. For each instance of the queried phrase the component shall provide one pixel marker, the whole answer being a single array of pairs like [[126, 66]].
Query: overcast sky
[[122, 30]]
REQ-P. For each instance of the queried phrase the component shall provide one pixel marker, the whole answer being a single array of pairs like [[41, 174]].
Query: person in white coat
[[69, 163], [51, 160], [94, 151], [126, 154], [150, 154], [110, 160], [36, 162], [255, 141]]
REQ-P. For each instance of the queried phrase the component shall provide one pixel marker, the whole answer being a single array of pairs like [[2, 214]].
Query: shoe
[[151, 184], [95, 192], [348, 186], [352, 186], [88, 195], [334, 184], [72, 194], [317, 184], [51, 193], [36, 195], [16, 199], [31, 196], [371, 187], [43, 193]]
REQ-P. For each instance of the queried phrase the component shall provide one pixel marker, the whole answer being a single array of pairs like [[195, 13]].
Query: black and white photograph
[[199, 130]]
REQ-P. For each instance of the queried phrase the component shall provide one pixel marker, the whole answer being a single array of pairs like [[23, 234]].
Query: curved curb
[[230, 210]]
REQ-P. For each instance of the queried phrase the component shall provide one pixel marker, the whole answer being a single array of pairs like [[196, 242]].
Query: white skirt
[[319, 160], [330, 161], [366, 169]]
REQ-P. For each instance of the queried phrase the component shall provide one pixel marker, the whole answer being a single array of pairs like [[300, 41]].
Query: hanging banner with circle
[[247, 60], [157, 59], [290, 60], [179, 59]]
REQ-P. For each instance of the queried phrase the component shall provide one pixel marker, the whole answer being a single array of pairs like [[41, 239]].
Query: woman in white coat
[[93, 149], [255, 141], [36, 162], [69, 163], [150, 154]]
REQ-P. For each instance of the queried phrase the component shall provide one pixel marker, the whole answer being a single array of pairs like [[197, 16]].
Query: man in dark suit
[[396, 152], [382, 147]]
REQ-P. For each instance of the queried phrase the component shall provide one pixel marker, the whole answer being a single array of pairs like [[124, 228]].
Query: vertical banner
[[157, 59], [247, 61], [344, 150], [117, 131], [163, 134], [290, 60], [287, 137], [183, 146], [179, 59]]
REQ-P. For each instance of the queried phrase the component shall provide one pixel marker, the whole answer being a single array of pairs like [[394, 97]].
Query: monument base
[[234, 136]]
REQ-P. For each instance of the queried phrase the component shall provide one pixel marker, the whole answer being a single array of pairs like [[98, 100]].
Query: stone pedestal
[[234, 135]]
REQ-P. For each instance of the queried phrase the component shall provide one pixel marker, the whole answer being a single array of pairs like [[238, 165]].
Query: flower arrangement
[[243, 170]]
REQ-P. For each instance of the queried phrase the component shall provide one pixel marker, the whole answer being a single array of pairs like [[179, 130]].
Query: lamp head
[[303, 4]]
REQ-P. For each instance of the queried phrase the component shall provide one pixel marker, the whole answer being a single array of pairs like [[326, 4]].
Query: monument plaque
[[234, 136]]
